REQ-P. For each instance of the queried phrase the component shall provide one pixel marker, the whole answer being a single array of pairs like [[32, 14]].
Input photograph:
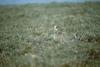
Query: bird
[[55, 28]]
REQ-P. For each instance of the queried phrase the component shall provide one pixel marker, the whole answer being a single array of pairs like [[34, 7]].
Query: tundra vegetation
[[50, 35]]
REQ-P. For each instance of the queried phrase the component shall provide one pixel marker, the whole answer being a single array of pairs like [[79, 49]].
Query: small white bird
[[55, 32], [55, 28], [75, 35]]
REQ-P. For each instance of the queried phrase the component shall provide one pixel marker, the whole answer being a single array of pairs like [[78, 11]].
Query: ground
[[28, 37]]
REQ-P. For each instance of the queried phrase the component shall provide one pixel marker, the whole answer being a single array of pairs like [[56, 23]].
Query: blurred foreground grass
[[28, 37]]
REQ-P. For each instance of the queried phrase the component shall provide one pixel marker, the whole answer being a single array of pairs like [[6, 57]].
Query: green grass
[[28, 37]]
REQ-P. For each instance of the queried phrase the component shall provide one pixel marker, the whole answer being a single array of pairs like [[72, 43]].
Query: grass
[[28, 37]]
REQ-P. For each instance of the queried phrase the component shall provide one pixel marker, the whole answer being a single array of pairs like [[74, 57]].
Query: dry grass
[[28, 37]]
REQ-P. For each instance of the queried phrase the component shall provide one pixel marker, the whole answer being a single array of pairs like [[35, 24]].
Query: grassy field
[[50, 35]]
